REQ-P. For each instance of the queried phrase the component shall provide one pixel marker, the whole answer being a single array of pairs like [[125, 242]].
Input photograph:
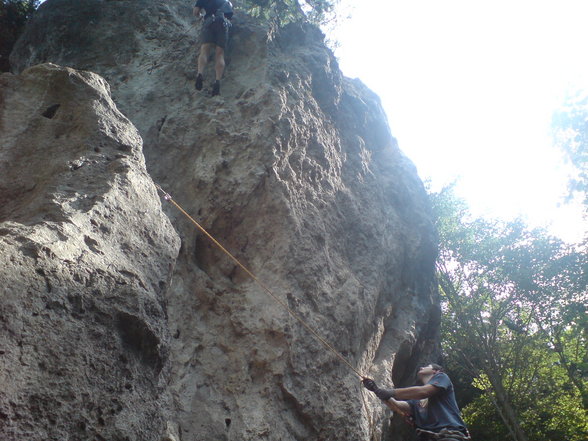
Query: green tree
[[570, 132], [549, 410], [508, 293], [283, 12], [13, 16]]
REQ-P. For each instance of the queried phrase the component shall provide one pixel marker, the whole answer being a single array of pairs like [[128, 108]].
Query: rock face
[[86, 258], [294, 170]]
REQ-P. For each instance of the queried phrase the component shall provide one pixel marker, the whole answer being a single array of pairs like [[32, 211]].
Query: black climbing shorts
[[215, 32]]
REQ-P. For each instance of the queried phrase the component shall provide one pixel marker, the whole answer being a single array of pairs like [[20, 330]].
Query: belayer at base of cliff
[[214, 35], [431, 406]]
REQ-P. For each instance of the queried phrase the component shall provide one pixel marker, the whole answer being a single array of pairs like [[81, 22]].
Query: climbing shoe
[[216, 88], [199, 82]]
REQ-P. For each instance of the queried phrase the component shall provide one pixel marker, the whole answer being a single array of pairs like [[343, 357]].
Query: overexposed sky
[[470, 87]]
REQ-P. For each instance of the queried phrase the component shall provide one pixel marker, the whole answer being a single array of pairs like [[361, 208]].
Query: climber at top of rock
[[215, 34], [431, 406]]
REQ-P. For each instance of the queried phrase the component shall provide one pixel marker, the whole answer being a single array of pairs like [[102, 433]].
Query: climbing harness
[[219, 15], [443, 434], [268, 291]]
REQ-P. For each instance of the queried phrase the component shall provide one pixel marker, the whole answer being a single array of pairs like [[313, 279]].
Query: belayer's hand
[[385, 394], [369, 384], [382, 394]]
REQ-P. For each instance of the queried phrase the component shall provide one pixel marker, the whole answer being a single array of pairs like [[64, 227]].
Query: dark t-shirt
[[440, 411], [210, 6]]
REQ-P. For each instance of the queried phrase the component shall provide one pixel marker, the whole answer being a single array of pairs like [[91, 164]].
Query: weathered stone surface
[[295, 171], [85, 260]]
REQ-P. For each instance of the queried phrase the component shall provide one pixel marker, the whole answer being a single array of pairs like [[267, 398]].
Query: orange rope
[[168, 197]]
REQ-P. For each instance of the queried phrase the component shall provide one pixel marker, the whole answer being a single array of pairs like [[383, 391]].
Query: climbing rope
[[168, 198]]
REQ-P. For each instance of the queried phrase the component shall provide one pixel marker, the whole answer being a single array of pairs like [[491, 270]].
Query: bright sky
[[469, 87]]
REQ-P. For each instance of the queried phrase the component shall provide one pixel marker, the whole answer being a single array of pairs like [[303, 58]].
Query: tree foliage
[[13, 16], [282, 12], [515, 320]]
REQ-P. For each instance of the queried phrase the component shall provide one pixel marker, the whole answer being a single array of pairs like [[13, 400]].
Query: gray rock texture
[[86, 257], [294, 170]]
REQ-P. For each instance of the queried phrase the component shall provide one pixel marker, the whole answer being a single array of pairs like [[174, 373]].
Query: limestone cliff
[[293, 169], [85, 260]]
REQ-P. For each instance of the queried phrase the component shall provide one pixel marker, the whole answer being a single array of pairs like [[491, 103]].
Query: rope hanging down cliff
[[268, 291]]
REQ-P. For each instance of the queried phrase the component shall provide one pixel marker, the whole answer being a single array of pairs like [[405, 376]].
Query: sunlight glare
[[470, 89]]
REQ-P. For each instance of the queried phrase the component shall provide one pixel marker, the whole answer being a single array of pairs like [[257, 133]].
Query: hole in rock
[[51, 111], [140, 339]]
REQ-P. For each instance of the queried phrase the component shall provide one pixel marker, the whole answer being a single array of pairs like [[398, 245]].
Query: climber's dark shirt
[[440, 411], [210, 6]]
